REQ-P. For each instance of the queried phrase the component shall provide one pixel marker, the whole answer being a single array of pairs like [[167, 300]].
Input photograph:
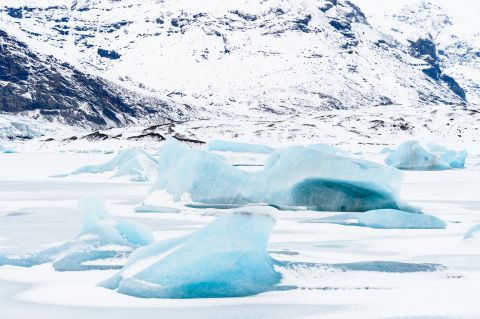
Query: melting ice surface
[[102, 242], [294, 176], [326, 148], [133, 163], [386, 219], [226, 258], [228, 146], [410, 155]]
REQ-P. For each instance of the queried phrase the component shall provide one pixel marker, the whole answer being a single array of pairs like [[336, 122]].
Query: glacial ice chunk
[[103, 242], [453, 158], [6, 150], [226, 258], [138, 165], [410, 155], [294, 176], [228, 146], [386, 219], [473, 233], [323, 147]]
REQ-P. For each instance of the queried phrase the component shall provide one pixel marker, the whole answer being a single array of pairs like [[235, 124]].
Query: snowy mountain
[[249, 57]]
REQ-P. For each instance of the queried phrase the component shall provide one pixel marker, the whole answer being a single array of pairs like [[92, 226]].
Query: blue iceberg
[[473, 233], [385, 219], [323, 147], [410, 155], [453, 158], [6, 150], [103, 242], [237, 147], [294, 176], [226, 258], [135, 164]]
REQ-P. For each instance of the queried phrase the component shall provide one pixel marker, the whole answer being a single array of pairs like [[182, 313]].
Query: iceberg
[[410, 155], [453, 158], [385, 219], [102, 243], [6, 150], [323, 147], [473, 233], [294, 176], [138, 165], [226, 258], [228, 146]]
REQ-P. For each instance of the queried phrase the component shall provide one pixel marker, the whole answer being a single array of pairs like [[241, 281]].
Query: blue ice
[[453, 158], [226, 258], [138, 165], [293, 176], [410, 155], [386, 219], [6, 150], [326, 148], [103, 241], [473, 232], [228, 146]]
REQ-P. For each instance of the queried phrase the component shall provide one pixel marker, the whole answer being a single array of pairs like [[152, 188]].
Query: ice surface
[[228, 146], [294, 176], [133, 163], [473, 233], [386, 219], [102, 241], [410, 155], [226, 258], [453, 158]]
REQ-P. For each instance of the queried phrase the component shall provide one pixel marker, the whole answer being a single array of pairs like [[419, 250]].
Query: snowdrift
[[294, 176], [102, 242], [227, 258], [410, 155], [135, 164], [386, 219]]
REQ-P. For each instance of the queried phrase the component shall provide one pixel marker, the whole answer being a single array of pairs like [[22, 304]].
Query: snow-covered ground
[[37, 210]]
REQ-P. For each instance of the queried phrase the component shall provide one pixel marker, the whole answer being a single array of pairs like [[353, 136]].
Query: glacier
[[226, 258], [103, 241], [229, 146], [386, 219], [293, 176], [410, 155], [133, 163]]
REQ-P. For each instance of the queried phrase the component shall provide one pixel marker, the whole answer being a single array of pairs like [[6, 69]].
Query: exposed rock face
[[48, 88]]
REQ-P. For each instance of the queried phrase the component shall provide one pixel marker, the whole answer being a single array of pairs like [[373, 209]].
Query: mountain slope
[[242, 57], [45, 87]]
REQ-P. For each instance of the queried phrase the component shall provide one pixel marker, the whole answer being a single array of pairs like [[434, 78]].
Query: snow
[[411, 155], [386, 219], [229, 146], [227, 258], [102, 241], [293, 176], [135, 164]]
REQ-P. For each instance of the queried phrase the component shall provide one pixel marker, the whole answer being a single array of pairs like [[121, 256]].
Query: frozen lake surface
[[328, 271]]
